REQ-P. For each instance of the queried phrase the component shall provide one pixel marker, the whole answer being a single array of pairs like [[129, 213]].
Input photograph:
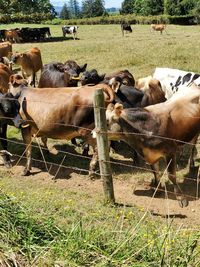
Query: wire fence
[[76, 128]]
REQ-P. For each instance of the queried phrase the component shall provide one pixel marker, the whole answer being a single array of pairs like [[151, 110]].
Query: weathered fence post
[[102, 145]]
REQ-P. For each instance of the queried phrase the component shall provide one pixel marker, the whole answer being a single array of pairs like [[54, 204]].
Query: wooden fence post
[[102, 145]]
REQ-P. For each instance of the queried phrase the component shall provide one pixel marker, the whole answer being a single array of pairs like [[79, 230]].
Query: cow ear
[[118, 109], [115, 84], [12, 78], [21, 54], [102, 76], [83, 68]]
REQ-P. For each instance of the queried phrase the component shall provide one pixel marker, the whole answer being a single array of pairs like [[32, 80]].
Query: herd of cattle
[[154, 115], [27, 34]]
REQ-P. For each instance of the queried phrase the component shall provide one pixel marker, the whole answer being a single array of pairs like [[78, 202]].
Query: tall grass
[[121, 240]]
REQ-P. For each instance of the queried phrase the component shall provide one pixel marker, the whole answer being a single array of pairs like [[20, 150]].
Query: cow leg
[[93, 163], [26, 134], [191, 163], [4, 143], [33, 80], [44, 141], [155, 169], [171, 163]]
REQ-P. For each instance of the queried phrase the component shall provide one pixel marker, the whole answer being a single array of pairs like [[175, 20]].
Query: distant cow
[[125, 27], [58, 74], [12, 36], [30, 62], [2, 35], [28, 34], [70, 30], [5, 49], [158, 27], [159, 130]]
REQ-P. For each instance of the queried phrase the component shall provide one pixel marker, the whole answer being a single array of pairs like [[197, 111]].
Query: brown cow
[[5, 49], [158, 27], [159, 130], [58, 113], [12, 36], [30, 62], [5, 74]]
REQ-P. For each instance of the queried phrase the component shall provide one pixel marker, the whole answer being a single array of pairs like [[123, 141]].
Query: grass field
[[66, 222]]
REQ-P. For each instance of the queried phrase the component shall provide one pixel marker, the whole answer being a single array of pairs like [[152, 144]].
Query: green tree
[[149, 7], [26, 6], [128, 7], [92, 8], [179, 7], [64, 13]]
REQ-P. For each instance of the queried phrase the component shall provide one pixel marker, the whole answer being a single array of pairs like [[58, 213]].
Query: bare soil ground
[[129, 189]]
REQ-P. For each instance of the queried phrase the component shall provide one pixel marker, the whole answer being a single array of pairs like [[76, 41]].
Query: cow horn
[[75, 78]]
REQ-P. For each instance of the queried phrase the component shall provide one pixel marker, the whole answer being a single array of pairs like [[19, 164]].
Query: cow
[[91, 77], [126, 77], [28, 34], [5, 74], [66, 113], [125, 27], [158, 27], [58, 74], [12, 36], [157, 131], [5, 49], [2, 35], [9, 115], [30, 62], [70, 30], [172, 80]]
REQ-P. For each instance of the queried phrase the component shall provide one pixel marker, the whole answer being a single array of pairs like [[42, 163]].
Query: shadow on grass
[[53, 39]]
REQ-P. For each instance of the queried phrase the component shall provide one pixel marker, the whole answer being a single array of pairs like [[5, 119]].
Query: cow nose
[[19, 122]]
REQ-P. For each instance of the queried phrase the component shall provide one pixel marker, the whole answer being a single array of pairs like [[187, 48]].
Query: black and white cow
[[172, 80], [70, 30], [125, 27]]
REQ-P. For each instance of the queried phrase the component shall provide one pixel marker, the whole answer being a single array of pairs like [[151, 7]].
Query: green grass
[[44, 223]]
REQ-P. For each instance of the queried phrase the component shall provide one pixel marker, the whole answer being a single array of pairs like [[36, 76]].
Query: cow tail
[[110, 93]]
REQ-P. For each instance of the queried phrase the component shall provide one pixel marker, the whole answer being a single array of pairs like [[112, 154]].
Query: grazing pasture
[[64, 222]]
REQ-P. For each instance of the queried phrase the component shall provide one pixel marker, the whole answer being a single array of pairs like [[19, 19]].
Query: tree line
[[72, 9], [159, 7]]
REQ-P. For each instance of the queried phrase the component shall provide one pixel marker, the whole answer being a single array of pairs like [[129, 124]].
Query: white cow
[[70, 30], [173, 80]]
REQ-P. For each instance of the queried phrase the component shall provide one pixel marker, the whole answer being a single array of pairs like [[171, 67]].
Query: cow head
[[17, 83], [16, 58], [74, 70], [91, 77], [9, 110]]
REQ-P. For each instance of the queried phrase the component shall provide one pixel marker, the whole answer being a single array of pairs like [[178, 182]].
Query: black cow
[[9, 115], [34, 34], [125, 27], [70, 30], [57, 74], [91, 77]]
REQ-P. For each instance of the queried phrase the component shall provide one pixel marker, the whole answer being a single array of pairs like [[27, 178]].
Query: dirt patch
[[128, 191]]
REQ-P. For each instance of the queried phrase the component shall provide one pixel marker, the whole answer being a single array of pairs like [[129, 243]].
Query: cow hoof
[[26, 173], [183, 203], [93, 176], [8, 164]]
